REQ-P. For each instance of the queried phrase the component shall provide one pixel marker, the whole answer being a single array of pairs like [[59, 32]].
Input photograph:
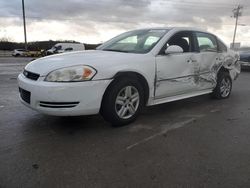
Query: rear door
[[208, 58]]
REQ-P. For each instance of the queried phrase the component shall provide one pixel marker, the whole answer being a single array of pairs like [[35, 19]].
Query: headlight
[[71, 74]]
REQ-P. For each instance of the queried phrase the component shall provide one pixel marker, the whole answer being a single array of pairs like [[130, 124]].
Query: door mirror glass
[[173, 49]]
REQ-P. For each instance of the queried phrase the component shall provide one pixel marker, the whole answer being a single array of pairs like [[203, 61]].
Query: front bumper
[[54, 98]]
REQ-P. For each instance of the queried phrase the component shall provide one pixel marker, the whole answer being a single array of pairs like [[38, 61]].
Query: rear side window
[[206, 42], [221, 47]]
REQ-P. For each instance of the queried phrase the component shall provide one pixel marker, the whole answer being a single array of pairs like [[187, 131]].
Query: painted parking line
[[165, 128]]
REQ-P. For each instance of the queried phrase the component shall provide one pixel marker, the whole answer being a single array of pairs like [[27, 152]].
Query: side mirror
[[173, 49]]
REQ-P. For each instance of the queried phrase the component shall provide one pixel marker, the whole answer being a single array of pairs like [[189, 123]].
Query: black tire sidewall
[[108, 107], [217, 91]]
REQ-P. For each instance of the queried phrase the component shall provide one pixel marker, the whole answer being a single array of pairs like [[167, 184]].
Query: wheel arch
[[130, 74], [217, 90], [223, 69]]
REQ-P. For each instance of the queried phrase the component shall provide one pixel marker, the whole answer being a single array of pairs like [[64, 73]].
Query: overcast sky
[[95, 21]]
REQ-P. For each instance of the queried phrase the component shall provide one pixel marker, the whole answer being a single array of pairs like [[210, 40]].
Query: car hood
[[97, 59]]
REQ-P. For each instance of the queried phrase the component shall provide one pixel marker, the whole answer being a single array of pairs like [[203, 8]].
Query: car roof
[[179, 29], [67, 43]]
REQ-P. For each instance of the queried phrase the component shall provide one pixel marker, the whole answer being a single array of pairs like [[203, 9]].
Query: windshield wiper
[[114, 50]]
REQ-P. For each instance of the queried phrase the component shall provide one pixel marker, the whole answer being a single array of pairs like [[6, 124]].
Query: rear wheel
[[123, 101], [223, 87]]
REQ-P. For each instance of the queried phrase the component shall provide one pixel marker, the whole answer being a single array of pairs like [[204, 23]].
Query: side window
[[182, 39], [221, 47], [69, 49], [58, 47], [206, 42]]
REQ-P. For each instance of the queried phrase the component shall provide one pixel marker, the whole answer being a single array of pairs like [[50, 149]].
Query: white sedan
[[135, 69], [19, 52]]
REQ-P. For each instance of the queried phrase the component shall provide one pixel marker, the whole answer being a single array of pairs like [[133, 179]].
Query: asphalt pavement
[[194, 143]]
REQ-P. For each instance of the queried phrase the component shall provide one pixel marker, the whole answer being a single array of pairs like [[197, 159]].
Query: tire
[[223, 87], [123, 101]]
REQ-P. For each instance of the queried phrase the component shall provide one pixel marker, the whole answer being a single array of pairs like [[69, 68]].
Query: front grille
[[58, 104], [25, 95], [31, 75]]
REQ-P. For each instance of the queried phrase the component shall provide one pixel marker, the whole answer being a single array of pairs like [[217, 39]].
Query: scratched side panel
[[210, 66], [174, 75]]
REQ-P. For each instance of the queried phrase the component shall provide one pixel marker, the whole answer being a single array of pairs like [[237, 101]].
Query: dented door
[[175, 74], [209, 60]]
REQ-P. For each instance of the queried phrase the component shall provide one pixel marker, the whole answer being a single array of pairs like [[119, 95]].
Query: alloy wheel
[[225, 87], [127, 102]]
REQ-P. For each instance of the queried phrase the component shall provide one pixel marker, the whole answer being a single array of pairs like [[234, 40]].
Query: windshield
[[57, 47], [139, 41]]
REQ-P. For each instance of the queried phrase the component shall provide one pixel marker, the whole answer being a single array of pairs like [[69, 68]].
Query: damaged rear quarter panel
[[232, 64], [208, 71]]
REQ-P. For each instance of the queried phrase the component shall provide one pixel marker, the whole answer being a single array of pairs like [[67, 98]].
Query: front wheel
[[123, 101], [224, 86]]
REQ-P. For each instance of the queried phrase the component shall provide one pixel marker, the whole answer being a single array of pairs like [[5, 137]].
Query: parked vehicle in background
[[65, 47], [25, 53], [19, 53], [138, 68], [33, 54], [245, 59]]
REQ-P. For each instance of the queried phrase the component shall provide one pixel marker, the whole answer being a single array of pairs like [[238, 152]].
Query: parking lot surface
[[198, 142]]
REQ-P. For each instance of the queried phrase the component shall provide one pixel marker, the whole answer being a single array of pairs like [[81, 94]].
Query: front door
[[177, 74]]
